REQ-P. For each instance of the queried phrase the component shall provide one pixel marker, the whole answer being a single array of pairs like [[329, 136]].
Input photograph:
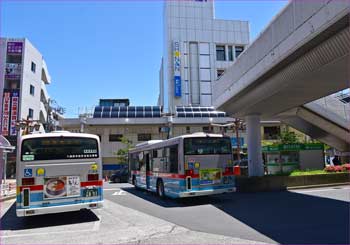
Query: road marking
[[119, 193], [319, 190], [97, 224], [113, 189]]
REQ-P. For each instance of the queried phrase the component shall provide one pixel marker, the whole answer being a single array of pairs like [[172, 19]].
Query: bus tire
[[160, 188]]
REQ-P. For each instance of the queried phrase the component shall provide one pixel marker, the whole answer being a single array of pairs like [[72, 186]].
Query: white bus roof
[[150, 142], [59, 134]]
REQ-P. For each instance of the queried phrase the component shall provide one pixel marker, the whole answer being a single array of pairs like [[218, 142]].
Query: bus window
[[58, 148], [207, 146], [172, 155]]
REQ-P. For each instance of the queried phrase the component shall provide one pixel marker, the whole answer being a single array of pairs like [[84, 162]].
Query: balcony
[[45, 76]]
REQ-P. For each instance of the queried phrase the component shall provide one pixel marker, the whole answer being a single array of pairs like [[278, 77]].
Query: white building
[[197, 49], [23, 81]]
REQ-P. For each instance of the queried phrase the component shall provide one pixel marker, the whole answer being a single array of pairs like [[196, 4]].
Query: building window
[[220, 53], [144, 137], [33, 67], [208, 129], [219, 73], [30, 113], [188, 130], [272, 132], [115, 137], [32, 90], [230, 53], [239, 50]]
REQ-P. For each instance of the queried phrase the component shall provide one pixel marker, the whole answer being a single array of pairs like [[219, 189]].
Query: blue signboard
[[177, 82], [234, 142]]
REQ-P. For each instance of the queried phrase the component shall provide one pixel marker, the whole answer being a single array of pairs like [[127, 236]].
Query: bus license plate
[[91, 192]]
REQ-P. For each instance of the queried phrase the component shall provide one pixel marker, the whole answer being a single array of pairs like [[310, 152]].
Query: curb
[[6, 198], [315, 186]]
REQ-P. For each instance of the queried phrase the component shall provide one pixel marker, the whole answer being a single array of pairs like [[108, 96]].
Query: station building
[[197, 50], [23, 93]]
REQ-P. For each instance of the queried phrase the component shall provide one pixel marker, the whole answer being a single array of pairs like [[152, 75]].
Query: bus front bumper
[[58, 209], [207, 192]]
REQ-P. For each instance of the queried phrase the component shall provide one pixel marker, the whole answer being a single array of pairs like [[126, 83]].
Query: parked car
[[120, 176]]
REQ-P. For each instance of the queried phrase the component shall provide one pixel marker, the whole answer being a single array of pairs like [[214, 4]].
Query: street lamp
[[238, 124]]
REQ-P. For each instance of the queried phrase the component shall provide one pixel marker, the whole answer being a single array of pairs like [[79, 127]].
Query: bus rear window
[[59, 148], [207, 146]]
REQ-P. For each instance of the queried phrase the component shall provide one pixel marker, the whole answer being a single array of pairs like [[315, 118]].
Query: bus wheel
[[160, 189]]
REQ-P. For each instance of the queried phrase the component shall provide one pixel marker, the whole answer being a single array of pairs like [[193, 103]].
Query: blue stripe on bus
[[173, 187], [39, 196], [59, 204]]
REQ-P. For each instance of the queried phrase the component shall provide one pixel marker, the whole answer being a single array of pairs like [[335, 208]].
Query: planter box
[[278, 183]]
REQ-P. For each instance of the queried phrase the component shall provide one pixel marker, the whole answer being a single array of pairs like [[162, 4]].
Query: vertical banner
[[177, 68], [14, 112], [14, 47], [5, 114]]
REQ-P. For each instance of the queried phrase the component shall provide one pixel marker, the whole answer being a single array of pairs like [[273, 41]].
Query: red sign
[[5, 114], [14, 112]]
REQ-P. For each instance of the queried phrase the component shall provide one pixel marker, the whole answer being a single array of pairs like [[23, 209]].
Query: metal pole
[[5, 163]]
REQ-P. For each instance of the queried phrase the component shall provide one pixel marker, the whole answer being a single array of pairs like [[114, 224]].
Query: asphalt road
[[136, 216], [302, 216]]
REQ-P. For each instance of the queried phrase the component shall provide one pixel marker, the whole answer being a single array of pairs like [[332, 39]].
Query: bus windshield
[[207, 146], [59, 148]]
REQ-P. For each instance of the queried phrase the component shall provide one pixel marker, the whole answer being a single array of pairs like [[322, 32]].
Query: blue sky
[[108, 49]]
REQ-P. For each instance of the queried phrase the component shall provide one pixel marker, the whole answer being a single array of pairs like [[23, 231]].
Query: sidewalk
[[8, 190]]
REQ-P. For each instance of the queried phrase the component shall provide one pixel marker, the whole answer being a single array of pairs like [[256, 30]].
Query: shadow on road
[[285, 217], [10, 221], [173, 203]]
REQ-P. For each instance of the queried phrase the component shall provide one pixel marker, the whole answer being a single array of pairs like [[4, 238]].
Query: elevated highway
[[302, 56]]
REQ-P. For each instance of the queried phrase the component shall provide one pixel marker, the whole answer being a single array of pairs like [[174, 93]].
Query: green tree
[[122, 154], [288, 137]]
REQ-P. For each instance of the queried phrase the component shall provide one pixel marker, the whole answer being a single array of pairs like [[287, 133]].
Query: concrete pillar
[[255, 165]]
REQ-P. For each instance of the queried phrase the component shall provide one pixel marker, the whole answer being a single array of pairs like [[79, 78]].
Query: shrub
[[346, 167], [342, 168], [330, 169]]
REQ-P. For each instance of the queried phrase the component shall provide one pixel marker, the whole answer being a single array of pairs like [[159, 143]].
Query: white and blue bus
[[190, 165], [58, 172]]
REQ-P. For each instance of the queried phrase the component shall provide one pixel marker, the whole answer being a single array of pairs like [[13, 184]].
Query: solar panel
[[148, 114], [127, 111], [156, 113], [97, 114], [106, 114], [98, 108]]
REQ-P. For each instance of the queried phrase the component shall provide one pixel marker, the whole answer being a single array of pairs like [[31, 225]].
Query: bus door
[[148, 169]]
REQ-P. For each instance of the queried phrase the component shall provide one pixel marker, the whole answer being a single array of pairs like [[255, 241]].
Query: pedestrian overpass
[[298, 60]]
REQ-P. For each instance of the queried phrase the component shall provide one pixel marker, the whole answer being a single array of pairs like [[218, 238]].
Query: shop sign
[[14, 112], [13, 71], [14, 47], [292, 147], [177, 68], [6, 114]]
